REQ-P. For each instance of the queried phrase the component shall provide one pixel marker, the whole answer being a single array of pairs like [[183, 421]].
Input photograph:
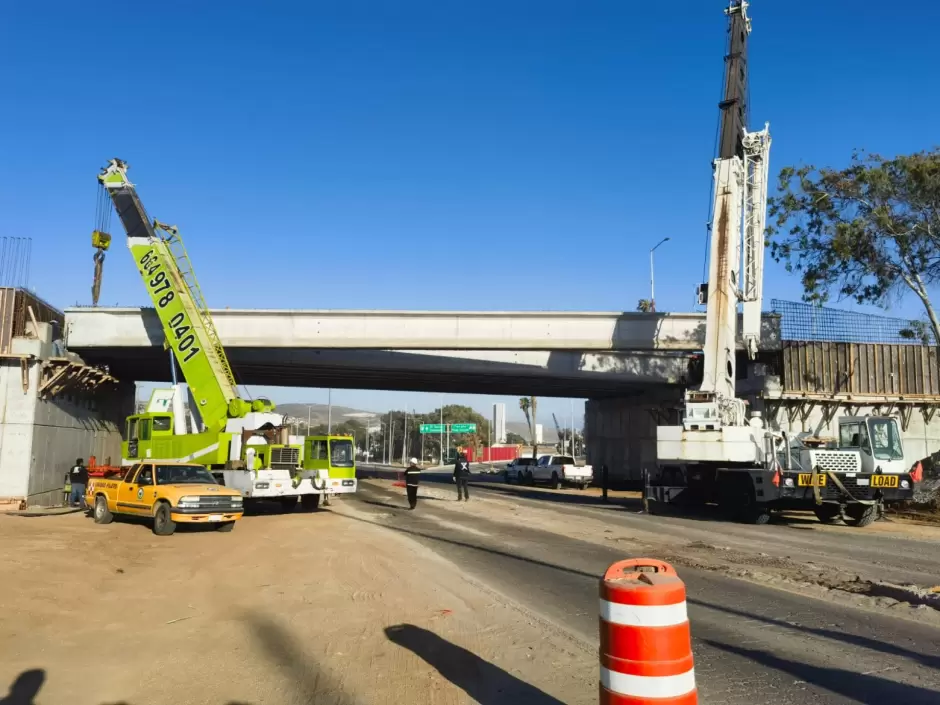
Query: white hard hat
[[414, 461]]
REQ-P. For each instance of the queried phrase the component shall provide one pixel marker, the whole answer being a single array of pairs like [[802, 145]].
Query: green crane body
[[164, 266]]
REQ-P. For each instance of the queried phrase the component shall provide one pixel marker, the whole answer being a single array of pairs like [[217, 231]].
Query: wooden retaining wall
[[866, 369]]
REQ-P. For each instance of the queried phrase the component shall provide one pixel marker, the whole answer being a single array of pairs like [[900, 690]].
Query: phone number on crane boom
[[160, 291]]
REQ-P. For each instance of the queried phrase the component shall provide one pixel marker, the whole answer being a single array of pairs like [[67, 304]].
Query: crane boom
[[161, 259]]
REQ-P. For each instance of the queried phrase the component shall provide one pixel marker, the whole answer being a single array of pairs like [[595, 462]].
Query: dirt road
[[285, 609]]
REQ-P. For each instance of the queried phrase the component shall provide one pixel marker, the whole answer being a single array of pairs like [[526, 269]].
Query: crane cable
[[102, 228]]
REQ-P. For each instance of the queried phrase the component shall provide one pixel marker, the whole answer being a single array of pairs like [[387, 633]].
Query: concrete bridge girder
[[411, 330]]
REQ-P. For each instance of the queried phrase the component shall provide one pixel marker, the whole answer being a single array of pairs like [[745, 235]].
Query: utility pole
[[442, 430], [329, 418], [308, 419], [652, 278], [404, 436]]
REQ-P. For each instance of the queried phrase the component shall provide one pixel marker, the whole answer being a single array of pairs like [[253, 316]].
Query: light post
[[652, 279], [329, 417]]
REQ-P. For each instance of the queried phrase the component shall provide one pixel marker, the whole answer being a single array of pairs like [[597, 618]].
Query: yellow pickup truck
[[167, 493]]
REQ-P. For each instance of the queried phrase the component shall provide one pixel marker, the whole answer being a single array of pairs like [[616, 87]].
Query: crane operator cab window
[[341, 453], [854, 435], [885, 439], [162, 424]]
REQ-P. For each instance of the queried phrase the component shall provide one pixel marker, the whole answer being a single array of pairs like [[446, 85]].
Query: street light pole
[[329, 418], [652, 279]]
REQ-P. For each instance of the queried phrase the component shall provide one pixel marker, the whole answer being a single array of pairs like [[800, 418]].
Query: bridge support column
[[621, 434], [53, 408]]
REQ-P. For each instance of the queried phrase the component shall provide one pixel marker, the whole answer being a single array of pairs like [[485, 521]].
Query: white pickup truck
[[558, 470]]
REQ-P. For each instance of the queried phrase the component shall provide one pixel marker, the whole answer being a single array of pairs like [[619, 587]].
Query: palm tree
[[524, 405], [533, 406], [529, 406]]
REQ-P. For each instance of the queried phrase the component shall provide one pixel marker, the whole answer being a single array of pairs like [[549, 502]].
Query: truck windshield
[[184, 475], [341, 453], [885, 439]]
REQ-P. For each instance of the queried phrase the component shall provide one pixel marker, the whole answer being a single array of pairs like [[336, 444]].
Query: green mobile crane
[[245, 443]]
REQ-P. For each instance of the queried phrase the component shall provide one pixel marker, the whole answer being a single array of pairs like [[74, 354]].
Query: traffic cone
[[645, 643]]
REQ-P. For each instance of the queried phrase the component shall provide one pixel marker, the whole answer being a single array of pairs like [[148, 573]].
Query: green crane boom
[[168, 276]]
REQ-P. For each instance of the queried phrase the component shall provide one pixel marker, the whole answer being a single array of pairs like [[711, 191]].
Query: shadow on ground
[[859, 687], [482, 681], [312, 682], [927, 659]]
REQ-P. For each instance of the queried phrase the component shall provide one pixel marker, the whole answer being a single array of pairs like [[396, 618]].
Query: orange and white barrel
[[645, 642]]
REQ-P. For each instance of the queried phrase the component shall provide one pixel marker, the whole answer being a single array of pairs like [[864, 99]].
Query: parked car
[[558, 470], [520, 471]]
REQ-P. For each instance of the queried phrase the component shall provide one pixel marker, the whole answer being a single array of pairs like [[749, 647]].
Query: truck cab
[[333, 458], [877, 439]]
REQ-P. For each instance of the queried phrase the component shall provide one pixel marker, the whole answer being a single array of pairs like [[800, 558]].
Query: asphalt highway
[[753, 645]]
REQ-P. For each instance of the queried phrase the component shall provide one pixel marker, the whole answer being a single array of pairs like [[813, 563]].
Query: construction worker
[[412, 477], [78, 479], [462, 477]]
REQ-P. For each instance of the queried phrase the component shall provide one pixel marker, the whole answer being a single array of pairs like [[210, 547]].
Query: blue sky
[[418, 154]]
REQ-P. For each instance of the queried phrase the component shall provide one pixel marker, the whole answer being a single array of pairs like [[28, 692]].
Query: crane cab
[[877, 439], [333, 457]]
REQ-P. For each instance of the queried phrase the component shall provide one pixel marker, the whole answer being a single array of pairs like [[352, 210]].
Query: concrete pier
[[53, 407]]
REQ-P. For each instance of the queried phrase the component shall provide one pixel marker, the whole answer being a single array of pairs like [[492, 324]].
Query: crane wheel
[[226, 527], [828, 513], [860, 515], [309, 502]]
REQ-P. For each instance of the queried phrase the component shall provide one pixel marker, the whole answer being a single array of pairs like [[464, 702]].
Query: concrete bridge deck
[[544, 353], [411, 330]]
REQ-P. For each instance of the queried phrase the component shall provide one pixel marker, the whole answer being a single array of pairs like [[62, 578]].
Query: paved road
[[875, 553], [753, 645]]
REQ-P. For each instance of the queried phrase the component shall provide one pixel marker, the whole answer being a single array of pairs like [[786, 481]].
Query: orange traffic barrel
[[645, 643]]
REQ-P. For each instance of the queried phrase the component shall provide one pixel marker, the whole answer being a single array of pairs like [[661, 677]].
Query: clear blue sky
[[420, 154]]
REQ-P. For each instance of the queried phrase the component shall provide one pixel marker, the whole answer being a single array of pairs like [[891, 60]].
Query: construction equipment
[[562, 441], [246, 443], [719, 453], [101, 241]]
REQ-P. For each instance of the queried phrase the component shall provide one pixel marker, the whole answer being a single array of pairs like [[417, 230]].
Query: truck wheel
[[163, 524], [288, 504], [752, 511], [860, 515], [556, 484], [226, 527], [828, 513], [102, 513], [756, 514], [309, 502], [530, 479]]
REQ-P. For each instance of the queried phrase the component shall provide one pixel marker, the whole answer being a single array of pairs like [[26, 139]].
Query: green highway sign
[[454, 427]]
